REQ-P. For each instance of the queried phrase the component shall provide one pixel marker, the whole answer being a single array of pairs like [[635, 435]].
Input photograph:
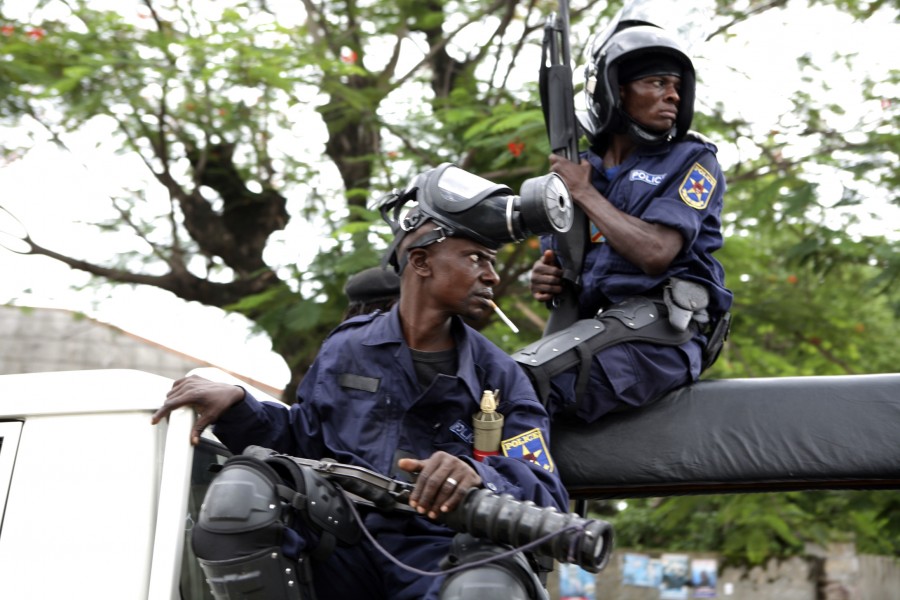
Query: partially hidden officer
[[371, 289]]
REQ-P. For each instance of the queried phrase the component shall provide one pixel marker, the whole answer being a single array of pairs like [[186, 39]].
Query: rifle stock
[[558, 104]]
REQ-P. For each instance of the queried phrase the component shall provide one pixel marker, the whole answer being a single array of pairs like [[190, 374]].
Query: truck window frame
[[10, 431]]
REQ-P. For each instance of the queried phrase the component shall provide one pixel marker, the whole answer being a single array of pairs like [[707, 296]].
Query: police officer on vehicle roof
[[652, 192], [395, 392]]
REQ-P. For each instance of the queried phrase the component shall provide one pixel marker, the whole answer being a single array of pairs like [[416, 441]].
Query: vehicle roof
[[740, 435], [111, 390]]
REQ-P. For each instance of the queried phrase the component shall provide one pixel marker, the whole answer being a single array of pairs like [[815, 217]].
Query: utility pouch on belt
[[686, 301], [634, 319]]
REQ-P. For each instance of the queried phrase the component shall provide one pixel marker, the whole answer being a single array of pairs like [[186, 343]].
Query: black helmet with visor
[[633, 50]]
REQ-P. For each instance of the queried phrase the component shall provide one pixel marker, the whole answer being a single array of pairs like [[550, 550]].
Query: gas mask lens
[[546, 205]]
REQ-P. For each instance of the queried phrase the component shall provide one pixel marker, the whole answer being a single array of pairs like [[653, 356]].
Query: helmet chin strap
[[641, 135]]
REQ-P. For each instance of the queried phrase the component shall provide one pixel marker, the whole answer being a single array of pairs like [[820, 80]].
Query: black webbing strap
[[319, 503], [643, 320]]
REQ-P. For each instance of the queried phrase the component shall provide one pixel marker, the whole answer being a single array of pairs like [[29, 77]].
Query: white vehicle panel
[[81, 508]]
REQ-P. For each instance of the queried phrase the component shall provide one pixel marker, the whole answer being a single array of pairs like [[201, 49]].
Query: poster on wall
[[654, 572], [675, 577], [634, 569], [576, 584], [703, 577], [641, 570]]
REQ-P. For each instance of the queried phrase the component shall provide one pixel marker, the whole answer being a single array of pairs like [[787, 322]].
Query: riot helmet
[[633, 50], [456, 203]]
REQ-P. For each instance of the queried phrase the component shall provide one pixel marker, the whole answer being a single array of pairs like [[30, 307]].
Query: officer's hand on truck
[[209, 399]]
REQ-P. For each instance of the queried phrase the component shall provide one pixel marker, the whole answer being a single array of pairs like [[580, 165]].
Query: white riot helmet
[[632, 51]]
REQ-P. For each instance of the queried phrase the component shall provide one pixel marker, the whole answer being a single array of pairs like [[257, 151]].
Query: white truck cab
[[95, 502]]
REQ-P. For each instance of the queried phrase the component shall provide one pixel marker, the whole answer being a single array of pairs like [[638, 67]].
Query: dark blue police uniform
[[679, 185], [361, 403]]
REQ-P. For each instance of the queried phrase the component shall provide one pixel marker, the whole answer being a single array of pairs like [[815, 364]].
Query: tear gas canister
[[488, 426]]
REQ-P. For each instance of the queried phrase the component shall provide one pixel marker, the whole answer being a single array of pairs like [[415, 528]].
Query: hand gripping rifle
[[499, 518], [558, 104]]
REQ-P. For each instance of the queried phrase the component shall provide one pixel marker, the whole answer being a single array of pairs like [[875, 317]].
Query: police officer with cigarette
[[396, 392]]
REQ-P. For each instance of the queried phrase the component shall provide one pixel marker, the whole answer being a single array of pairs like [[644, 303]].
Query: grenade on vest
[[488, 425]]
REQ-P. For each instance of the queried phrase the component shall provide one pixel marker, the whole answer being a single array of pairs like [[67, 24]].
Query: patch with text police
[[697, 187], [638, 175], [529, 446]]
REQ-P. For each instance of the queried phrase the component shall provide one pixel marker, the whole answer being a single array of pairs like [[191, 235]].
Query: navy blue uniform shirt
[[678, 185], [361, 402]]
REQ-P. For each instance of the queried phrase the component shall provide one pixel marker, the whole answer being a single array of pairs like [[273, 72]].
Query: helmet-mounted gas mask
[[457, 203]]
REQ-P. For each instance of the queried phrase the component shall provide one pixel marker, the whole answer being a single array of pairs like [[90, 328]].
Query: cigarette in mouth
[[502, 316]]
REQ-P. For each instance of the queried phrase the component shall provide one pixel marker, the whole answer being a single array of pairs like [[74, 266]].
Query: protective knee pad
[[239, 534], [509, 578], [266, 575]]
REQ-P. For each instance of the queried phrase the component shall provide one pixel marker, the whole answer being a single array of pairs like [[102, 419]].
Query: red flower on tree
[[516, 148], [36, 34], [7, 30]]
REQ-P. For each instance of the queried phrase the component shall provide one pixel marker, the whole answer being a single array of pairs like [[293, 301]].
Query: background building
[[36, 340]]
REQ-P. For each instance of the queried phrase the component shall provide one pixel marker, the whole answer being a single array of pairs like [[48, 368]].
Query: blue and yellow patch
[[529, 446], [597, 236], [697, 187]]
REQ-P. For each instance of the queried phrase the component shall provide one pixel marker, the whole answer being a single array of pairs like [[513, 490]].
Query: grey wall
[[36, 340]]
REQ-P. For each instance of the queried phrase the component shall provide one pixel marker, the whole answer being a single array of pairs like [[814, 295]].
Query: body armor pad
[[511, 578], [239, 533], [251, 513], [634, 319]]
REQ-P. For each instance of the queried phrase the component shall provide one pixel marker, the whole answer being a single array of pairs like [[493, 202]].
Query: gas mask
[[461, 204]]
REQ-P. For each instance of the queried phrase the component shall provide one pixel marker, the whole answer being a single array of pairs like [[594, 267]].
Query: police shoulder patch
[[529, 446], [697, 187]]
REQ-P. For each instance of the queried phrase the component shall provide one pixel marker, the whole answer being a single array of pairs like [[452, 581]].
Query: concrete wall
[[45, 339]]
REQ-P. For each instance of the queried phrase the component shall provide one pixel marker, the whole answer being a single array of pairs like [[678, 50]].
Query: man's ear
[[419, 261]]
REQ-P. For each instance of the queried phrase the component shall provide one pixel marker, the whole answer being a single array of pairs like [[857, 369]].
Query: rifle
[[500, 518], [558, 104]]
